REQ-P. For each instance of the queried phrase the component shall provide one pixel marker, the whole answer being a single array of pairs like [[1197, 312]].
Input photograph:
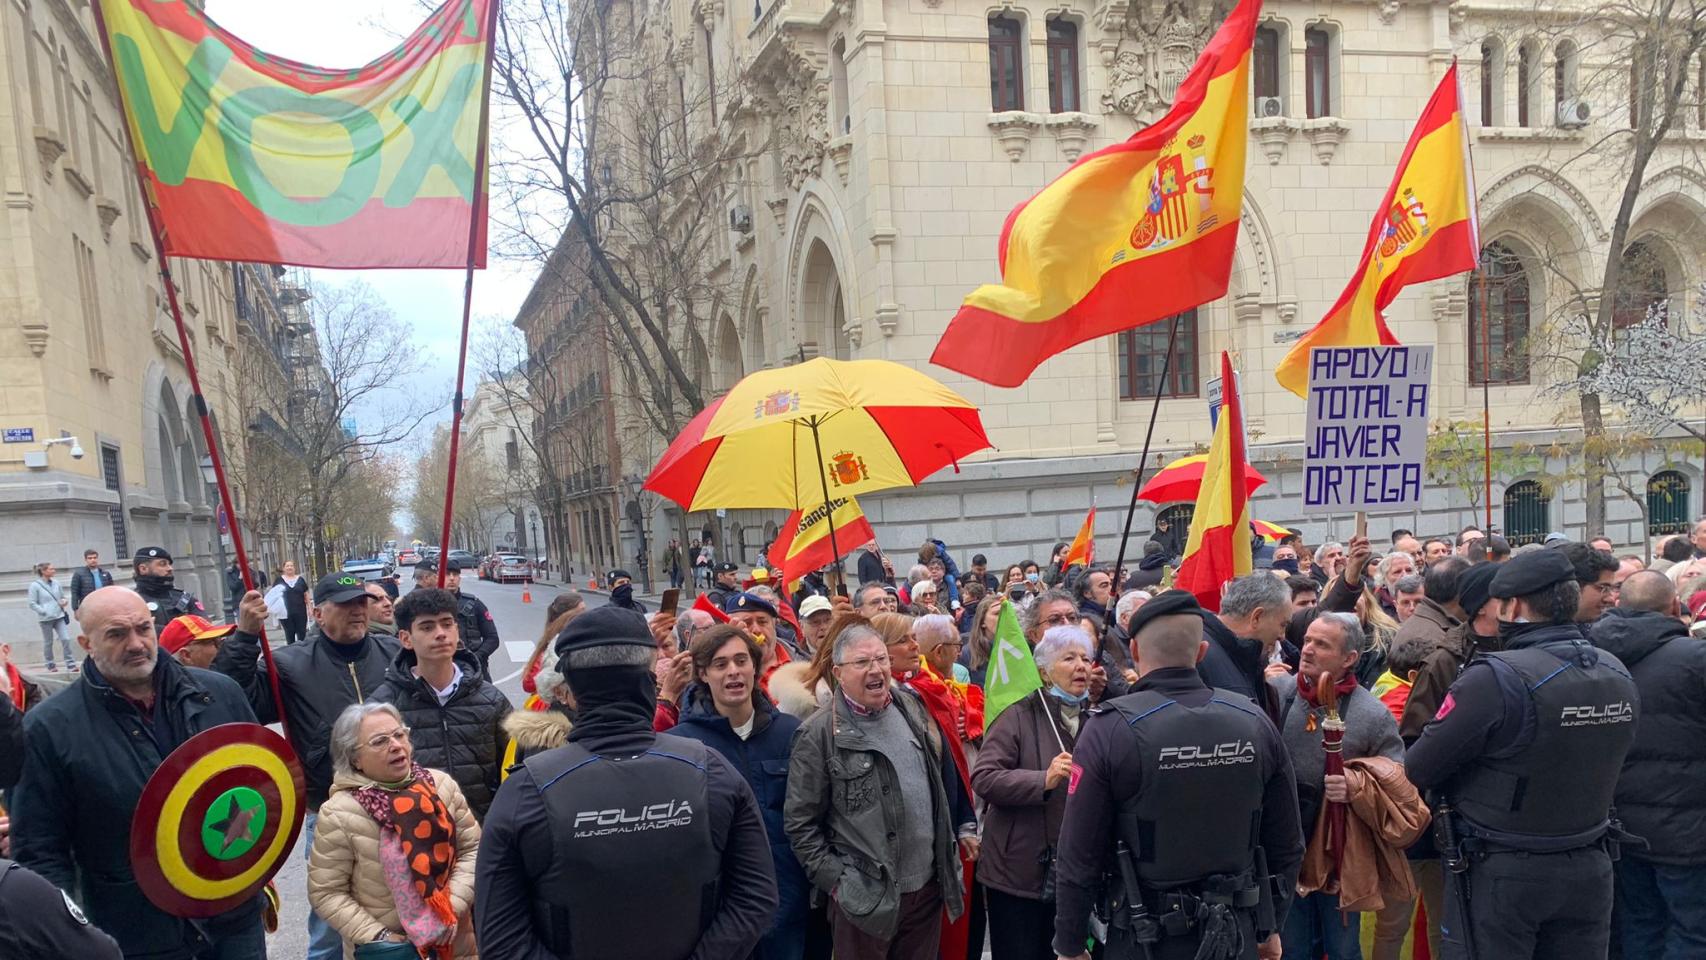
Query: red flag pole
[[207, 431], [476, 216]]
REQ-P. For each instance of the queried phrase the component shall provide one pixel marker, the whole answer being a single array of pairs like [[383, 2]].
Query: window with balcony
[[1006, 63]]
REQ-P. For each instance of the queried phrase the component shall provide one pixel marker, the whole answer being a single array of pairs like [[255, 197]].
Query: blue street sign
[[20, 435]]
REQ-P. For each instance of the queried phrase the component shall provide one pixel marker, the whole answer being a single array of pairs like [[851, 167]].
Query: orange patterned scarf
[[415, 813]]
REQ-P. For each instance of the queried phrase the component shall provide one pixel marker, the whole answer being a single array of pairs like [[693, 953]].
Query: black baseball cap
[[339, 588], [151, 553]]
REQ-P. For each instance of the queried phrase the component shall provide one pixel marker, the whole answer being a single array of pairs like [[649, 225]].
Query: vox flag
[[1425, 229], [1219, 545], [1013, 674], [1128, 235], [248, 156], [803, 543]]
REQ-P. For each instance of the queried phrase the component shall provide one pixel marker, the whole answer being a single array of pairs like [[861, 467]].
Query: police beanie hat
[[1474, 587], [602, 627], [1168, 604], [1531, 573]]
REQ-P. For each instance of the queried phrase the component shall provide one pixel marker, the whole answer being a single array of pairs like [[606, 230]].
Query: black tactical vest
[[626, 835], [1562, 783], [1199, 806]]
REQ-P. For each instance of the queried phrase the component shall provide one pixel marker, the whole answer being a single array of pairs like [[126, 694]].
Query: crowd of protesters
[[860, 804]]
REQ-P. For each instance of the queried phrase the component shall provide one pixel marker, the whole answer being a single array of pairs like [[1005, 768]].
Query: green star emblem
[[233, 823]]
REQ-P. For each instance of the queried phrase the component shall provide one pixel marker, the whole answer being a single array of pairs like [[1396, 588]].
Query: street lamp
[[533, 537], [209, 475]]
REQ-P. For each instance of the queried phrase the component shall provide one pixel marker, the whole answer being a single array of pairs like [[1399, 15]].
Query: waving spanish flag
[[1219, 545], [1425, 229], [803, 543], [1128, 235], [249, 156]]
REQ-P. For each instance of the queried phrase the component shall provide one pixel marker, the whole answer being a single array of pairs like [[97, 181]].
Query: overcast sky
[[349, 33]]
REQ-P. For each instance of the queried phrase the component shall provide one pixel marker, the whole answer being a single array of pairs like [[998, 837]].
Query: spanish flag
[[249, 156], [1219, 545], [803, 543], [1128, 235], [1425, 229], [1083, 548]]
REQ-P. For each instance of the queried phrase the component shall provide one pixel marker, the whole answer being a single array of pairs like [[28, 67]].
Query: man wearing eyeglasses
[[340, 664], [874, 810]]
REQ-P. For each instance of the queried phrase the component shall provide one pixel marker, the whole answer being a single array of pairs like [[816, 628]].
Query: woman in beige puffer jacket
[[346, 884]]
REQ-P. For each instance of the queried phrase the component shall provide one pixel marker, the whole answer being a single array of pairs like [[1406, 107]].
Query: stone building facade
[[899, 136], [495, 423], [87, 345]]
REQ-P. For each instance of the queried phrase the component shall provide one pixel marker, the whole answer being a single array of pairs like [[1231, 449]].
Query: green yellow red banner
[[248, 156]]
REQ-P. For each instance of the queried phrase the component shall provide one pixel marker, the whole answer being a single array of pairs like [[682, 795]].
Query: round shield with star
[[217, 820]]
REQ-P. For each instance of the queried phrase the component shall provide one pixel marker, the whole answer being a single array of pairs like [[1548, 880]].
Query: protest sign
[[1367, 430]]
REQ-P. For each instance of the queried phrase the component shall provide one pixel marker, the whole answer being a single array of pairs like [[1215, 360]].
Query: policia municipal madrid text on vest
[[1522, 761], [1181, 838]]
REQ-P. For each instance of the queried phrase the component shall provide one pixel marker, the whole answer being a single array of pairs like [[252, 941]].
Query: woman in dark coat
[[1022, 774], [726, 711]]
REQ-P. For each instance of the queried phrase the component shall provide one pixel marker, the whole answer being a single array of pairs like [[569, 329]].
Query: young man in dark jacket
[[454, 715], [339, 664], [90, 751], [1663, 787], [89, 578], [726, 711]]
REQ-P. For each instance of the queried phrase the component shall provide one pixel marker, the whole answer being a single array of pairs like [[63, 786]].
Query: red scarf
[[1306, 687]]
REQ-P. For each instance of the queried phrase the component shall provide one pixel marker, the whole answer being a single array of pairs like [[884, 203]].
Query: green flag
[[1012, 672]]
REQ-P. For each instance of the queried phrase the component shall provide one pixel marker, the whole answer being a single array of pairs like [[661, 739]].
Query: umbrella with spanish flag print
[[1181, 479], [800, 436]]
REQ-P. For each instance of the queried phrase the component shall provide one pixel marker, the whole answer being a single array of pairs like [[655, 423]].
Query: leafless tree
[[357, 400], [609, 144], [1646, 54]]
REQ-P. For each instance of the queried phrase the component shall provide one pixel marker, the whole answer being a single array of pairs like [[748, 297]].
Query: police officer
[[153, 569], [1525, 753], [726, 584], [621, 825], [39, 920], [1181, 829], [473, 620]]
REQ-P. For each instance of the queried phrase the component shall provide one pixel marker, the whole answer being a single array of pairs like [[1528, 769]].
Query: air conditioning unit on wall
[[740, 219], [1270, 106], [1573, 114]]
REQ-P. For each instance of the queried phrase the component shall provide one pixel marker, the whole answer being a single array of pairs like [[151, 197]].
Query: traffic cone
[[526, 595], [592, 584]]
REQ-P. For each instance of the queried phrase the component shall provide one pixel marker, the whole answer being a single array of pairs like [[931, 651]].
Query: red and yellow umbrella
[[798, 436], [1181, 479]]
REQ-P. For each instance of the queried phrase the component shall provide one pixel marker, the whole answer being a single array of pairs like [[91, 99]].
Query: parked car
[[408, 557], [463, 559], [367, 568], [511, 568]]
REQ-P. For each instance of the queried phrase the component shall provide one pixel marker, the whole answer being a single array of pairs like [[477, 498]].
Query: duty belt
[[1608, 834]]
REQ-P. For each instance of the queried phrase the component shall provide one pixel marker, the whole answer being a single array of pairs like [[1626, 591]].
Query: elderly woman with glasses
[[393, 853], [1021, 775]]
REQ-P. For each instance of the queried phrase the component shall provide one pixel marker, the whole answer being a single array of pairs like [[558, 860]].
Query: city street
[[519, 625]]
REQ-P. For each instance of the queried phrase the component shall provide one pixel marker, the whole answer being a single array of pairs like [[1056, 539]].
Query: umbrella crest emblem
[[776, 404], [846, 469]]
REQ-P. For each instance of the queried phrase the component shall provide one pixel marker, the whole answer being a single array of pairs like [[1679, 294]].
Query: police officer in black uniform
[[153, 570], [37, 919], [1523, 757], [725, 586], [473, 620], [1181, 832], [623, 842]]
